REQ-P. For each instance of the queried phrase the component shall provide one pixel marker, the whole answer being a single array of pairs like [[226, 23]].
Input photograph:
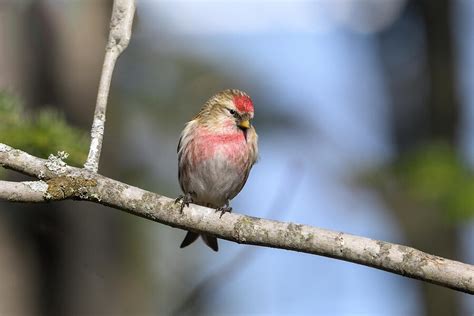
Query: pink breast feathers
[[243, 103], [232, 146]]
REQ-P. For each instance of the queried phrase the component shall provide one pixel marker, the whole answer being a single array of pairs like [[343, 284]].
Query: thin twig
[[119, 37], [65, 182]]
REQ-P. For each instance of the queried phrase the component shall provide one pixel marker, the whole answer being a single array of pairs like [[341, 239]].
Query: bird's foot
[[183, 200], [224, 209]]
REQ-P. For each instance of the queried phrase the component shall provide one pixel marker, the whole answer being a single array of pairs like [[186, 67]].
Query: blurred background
[[365, 111]]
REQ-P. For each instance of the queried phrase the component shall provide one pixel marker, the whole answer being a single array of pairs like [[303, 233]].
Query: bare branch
[[28, 191], [119, 37], [74, 183]]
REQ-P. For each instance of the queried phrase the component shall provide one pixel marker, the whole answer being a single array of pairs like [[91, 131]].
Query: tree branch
[[28, 191], [65, 182], [119, 37], [58, 181]]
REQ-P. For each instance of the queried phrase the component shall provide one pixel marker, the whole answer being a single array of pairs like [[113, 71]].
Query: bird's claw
[[224, 209], [183, 200]]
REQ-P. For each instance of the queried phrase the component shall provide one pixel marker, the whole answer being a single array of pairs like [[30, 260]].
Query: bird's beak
[[244, 124]]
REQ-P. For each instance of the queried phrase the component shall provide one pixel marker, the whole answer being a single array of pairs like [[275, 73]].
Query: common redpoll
[[216, 151]]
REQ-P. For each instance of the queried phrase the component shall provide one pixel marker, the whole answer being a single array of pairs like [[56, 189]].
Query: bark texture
[[59, 181]]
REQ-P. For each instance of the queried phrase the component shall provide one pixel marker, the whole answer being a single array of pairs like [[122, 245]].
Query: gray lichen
[[413, 261], [37, 186], [294, 235], [245, 226], [41, 174], [55, 163], [147, 201], [4, 148], [384, 253]]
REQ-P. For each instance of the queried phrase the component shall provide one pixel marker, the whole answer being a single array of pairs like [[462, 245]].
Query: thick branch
[[119, 37], [65, 182]]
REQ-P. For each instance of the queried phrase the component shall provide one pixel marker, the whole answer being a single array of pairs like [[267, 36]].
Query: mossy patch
[[61, 188]]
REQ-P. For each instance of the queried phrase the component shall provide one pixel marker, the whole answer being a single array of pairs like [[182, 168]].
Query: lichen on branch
[[81, 184]]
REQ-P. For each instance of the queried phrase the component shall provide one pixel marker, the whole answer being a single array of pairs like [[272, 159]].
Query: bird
[[216, 151]]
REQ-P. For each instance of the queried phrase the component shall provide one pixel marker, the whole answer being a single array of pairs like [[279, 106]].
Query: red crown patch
[[243, 103]]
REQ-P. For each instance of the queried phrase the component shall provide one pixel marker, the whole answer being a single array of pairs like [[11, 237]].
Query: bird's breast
[[215, 166], [230, 147]]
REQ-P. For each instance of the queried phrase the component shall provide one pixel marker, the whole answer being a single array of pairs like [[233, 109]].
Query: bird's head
[[230, 108]]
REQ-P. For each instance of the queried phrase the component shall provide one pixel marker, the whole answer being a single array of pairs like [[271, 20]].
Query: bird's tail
[[210, 241]]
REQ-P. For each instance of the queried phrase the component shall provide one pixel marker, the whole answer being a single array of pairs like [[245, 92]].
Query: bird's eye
[[232, 112]]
